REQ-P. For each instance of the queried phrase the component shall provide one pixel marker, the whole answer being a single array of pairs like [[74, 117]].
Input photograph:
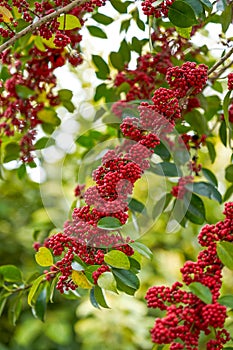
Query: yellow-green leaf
[[6, 14], [118, 259], [80, 279], [44, 257], [34, 288], [68, 22], [48, 116], [107, 281]]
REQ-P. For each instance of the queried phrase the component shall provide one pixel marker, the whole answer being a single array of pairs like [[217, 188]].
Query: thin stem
[[220, 62], [41, 21]]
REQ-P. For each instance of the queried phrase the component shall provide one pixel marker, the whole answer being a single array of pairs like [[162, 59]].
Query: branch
[[220, 62], [41, 21]]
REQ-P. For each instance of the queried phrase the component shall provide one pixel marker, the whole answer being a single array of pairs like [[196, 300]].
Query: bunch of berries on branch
[[187, 316]]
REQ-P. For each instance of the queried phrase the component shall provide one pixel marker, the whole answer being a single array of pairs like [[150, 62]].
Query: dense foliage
[[149, 153]]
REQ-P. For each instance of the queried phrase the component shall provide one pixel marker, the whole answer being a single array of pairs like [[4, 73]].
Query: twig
[[220, 62], [41, 21], [220, 72]]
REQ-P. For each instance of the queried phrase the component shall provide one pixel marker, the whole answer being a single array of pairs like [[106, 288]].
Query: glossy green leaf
[[205, 189], [142, 249], [14, 308], [120, 6], [99, 297], [103, 70], [195, 209], [109, 223], [226, 300], [34, 288], [166, 169], [44, 142], [128, 278], [136, 205], [97, 32], [161, 205], [223, 133], [49, 116], [24, 92], [229, 173], [93, 299], [201, 291], [162, 151], [207, 4], [53, 288], [135, 265], [225, 253], [209, 175], [116, 60], [11, 273], [196, 6], [118, 259], [68, 22], [11, 152], [39, 309], [211, 150], [89, 271], [107, 281], [228, 194], [101, 18], [182, 14], [44, 257]]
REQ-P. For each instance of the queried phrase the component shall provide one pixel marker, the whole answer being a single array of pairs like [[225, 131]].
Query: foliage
[[164, 118]]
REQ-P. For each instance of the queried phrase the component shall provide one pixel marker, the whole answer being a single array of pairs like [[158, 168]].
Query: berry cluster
[[186, 314], [187, 78], [180, 190], [230, 81], [28, 88], [158, 11]]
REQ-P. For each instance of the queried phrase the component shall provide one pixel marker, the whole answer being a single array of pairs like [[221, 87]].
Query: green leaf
[[196, 6], [228, 193], [39, 309], [229, 173], [107, 281], [34, 288], [162, 151], [181, 14], [210, 176], [44, 257], [136, 205], [184, 32], [221, 5], [126, 279], [135, 265], [103, 19], [89, 271], [137, 44], [197, 121], [44, 142], [226, 18], [99, 297], [142, 249], [201, 291], [125, 25], [109, 223], [195, 209], [65, 95], [211, 150], [225, 253], [117, 60], [49, 116], [97, 32], [223, 133], [226, 300], [11, 152], [14, 308], [11, 273], [226, 103], [124, 51], [161, 205], [21, 171], [205, 189], [53, 288], [118, 259], [207, 4], [24, 92], [93, 299], [69, 106], [166, 169], [68, 22], [2, 304], [103, 69], [120, 6]]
